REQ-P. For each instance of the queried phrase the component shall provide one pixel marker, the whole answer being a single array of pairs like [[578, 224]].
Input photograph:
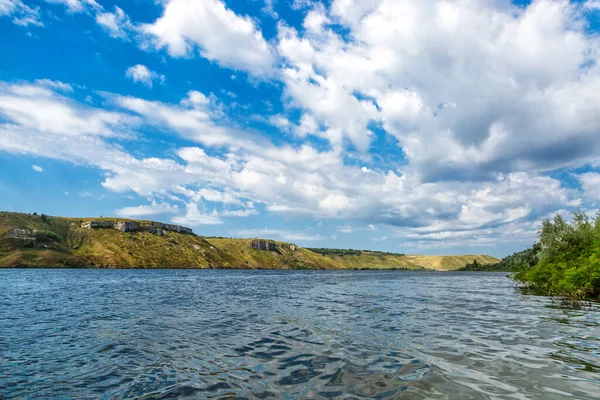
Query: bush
[[44, 236], [516, 262], [335, 252], [569, 259]]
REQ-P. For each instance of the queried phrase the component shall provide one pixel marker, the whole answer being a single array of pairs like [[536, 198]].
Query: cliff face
[[261, 244], [135, 226], [40, 241]]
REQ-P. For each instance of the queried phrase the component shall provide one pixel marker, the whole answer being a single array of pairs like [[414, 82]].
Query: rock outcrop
[[133, 226], [172, 227], [128, 226], [23, 234], [34, 237], [98, 224], [261, 244]]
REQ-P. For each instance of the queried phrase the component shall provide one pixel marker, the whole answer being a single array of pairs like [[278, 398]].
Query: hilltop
[[46, 241]]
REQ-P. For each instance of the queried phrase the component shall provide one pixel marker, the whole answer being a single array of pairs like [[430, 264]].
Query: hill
[[45, 241]]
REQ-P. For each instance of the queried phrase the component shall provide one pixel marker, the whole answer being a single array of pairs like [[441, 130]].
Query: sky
[[433, 127]]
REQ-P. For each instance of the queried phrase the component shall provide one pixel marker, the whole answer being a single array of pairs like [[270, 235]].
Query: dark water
[[262, 335]]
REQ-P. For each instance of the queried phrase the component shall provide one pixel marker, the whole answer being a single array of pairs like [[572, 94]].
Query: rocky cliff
[[135, 226], [261, 244]]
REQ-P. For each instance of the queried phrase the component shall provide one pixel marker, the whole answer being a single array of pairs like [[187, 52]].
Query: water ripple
[[166, 334]]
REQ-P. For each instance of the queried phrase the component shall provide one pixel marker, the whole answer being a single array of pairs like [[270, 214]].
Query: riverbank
[[48, 241]]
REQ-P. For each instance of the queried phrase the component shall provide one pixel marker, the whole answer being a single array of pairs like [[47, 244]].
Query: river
[[289, 334]]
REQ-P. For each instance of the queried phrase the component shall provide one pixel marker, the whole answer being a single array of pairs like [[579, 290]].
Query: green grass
[[283, 258], [66, 244]]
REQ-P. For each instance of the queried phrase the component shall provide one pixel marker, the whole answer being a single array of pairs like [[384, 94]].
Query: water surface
[[267, 335]]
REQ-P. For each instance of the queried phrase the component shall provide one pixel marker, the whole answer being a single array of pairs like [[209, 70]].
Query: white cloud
[[194, 118], [279, 121], [76, 6], [39, 109], [37, 168], [194, 217], [488, 88], [279, 233], [240, 213], [590, 183], [227, 196], [220, 35], [117, 24], [248, 169], [316, 19], [345, 229], [269, 9], [20, 13], [140, 73], [145, 210], [592, 4], [57, 85]]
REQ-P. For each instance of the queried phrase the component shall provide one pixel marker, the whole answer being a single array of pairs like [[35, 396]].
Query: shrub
[[44, 236], [569, 259]]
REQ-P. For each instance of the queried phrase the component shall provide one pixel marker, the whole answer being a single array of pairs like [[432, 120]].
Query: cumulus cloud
[[37, 168], [140, 73], [218, 33], [224, 169], [488, 88]]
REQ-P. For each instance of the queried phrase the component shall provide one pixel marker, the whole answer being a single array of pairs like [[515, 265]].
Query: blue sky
[[434, 127]]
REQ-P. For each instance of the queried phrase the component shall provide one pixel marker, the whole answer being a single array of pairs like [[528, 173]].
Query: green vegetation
[[349, 252], [569, 259], [513, 263], [31, 240], [335, 252]]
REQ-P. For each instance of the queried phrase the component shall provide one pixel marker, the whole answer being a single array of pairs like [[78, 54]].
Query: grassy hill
[[45, 241]]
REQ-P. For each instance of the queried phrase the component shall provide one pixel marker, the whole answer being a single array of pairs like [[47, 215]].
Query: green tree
[[569, 259]]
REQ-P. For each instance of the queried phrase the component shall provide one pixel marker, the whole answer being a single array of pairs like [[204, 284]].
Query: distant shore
[[31, 240]]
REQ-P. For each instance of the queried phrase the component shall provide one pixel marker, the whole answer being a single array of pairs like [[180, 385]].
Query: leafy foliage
[[569, 259], [513, 263]]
